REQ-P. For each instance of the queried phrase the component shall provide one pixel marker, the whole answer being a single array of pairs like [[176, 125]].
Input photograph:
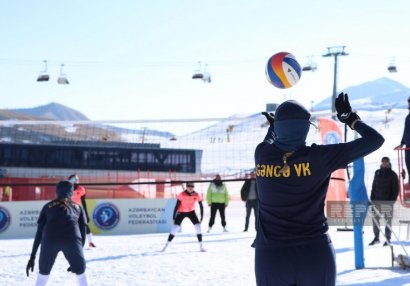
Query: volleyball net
[[128, 159]]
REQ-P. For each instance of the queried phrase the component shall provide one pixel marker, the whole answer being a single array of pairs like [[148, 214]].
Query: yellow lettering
[[276, 171], [306, 169], [298, 169], [257, 170], [263, 170], [269, 170]]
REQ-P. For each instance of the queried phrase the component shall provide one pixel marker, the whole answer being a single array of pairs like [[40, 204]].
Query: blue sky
[[134, 59]]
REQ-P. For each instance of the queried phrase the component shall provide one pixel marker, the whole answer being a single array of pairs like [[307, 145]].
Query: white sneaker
[[202, 249], [209, 229], [225, 229]]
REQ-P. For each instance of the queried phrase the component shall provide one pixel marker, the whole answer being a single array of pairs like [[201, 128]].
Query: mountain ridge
[[51, 111], [379, 94]]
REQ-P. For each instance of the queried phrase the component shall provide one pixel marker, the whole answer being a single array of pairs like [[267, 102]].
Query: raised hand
[[344, 110]]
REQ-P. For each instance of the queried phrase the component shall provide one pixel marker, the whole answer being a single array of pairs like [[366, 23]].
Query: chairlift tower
[[335, 52]]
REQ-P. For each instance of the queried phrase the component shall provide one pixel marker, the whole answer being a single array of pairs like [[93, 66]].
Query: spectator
[[249, 195], [218, 198], [385, 189]]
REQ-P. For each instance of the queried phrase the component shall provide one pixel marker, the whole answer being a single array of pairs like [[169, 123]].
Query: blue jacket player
[[61, 227], [292, 246]]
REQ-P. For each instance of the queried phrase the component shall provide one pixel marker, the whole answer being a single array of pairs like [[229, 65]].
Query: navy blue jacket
[[385, 185], [60, 220], [291, 205]]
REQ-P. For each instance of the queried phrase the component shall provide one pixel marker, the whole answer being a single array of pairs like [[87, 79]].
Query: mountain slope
[[380, 94], [9, 114], [54, 111]]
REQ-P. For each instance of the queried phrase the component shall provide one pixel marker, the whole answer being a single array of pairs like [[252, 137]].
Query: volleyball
[[283, 70]]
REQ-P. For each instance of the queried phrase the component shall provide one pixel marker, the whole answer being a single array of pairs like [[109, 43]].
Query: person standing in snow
[[385, 189], [292, 246], [185, 207], [218, 198], [249, 195], [79, 198], [61, 227]]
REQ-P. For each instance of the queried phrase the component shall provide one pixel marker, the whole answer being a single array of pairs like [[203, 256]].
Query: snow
[[137, 260]]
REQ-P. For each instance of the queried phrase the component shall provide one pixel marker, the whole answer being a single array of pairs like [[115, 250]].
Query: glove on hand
[[30, 264], [344, 110], [270, 117]]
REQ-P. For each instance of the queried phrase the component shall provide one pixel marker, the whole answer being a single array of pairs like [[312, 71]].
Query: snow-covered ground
[[137, 260]]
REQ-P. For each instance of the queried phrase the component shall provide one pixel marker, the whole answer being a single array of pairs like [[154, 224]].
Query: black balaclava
[[64, 190], [291, 126]]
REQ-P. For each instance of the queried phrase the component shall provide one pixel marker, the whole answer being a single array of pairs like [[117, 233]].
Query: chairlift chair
[[310, 66], [392, 66], [198, 73], [202, 74], [207, 78], [43, 76], [62, 79], [307, 68]]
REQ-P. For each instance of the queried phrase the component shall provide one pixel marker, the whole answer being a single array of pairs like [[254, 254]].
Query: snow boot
[[374, 241]]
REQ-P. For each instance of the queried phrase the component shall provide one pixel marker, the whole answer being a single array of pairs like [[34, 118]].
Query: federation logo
[[106, 216], [4, 219], [331, 137]]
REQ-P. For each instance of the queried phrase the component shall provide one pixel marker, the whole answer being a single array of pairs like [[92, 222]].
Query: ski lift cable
[[155, 64]]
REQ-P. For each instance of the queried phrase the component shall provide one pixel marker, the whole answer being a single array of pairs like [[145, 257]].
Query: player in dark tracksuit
[[61, 227], [292, 246]]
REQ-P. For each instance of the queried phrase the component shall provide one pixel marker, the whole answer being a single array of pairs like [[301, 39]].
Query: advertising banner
[[107, 216]]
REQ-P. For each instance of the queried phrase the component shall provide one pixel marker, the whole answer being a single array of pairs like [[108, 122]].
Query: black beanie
[[64, 189], [291, 109], [386, 159]]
